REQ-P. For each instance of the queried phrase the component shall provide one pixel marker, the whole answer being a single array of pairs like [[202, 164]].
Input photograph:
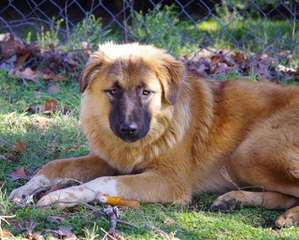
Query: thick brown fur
[[205, 136]]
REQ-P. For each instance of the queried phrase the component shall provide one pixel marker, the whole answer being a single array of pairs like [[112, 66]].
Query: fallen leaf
[[6, 234], [48, 107], [27, 74], [26, 52], [19, 147], [53, 76], [217, 58], [51, 105], [8, 45], [239, 57], [21, 59], [47, 64], [52, 46], [19, 173]]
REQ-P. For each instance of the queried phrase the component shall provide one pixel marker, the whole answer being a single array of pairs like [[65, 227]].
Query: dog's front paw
[[20, 195], [23, 195], [227, 202], [67, 197]]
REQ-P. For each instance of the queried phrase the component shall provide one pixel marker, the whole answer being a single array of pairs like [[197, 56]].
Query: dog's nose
[[130, 129]]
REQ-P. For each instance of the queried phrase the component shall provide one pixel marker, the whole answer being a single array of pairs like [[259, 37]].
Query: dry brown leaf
[[51, 105], [27, 74], [5, 234], [218, 58], [48, 107], [19, 173], [53, 76], [45, 64], [26, 52], [9, 45], [19, 147], [21, 59], [52, 46], [239, 57]]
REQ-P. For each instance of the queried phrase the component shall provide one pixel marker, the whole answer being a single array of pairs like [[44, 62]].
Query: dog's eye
[[146, 92], [112, 92]]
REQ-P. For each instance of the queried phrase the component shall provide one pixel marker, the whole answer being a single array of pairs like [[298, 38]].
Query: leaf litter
[[32, 63]]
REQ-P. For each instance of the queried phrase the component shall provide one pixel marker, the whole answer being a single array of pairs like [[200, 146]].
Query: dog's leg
[[81, 169], [146, 187], [238, 199]]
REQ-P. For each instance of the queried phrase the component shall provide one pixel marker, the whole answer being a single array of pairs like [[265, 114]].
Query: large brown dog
[[158, 133]]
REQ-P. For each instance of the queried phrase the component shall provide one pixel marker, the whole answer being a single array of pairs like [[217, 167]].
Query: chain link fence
[[182, 26]]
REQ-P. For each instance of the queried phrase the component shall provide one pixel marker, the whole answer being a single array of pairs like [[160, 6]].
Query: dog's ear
[[91, 68], [172, 78]]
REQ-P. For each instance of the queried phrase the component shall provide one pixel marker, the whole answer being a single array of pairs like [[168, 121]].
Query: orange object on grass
[[117, 201]]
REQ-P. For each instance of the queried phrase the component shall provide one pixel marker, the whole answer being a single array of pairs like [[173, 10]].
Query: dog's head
[[127, 85]]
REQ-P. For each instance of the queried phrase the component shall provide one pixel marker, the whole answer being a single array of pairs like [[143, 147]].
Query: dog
[[159, 133]]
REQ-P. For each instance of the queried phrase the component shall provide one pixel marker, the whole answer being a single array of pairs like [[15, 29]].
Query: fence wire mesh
[[182, 26]]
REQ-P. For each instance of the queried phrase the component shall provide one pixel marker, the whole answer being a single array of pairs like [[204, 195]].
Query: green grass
[[58, 136]]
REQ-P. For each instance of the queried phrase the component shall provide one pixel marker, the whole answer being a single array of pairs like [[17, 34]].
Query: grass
[[58, 136]]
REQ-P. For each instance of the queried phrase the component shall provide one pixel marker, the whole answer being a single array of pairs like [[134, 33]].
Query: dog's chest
[[127, 165], [123, 162]]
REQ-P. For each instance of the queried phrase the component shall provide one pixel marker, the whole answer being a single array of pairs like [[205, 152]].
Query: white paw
[[67, 197], [83, 193], [19, 195], [22, 195]]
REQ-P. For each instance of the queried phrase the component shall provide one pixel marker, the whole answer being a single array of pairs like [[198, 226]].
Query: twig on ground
[[170, 236], [111, 212], [109, 236], [3, 218], [126, 223]]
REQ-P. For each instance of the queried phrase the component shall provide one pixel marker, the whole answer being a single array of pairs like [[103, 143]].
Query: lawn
[[47, 137]]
